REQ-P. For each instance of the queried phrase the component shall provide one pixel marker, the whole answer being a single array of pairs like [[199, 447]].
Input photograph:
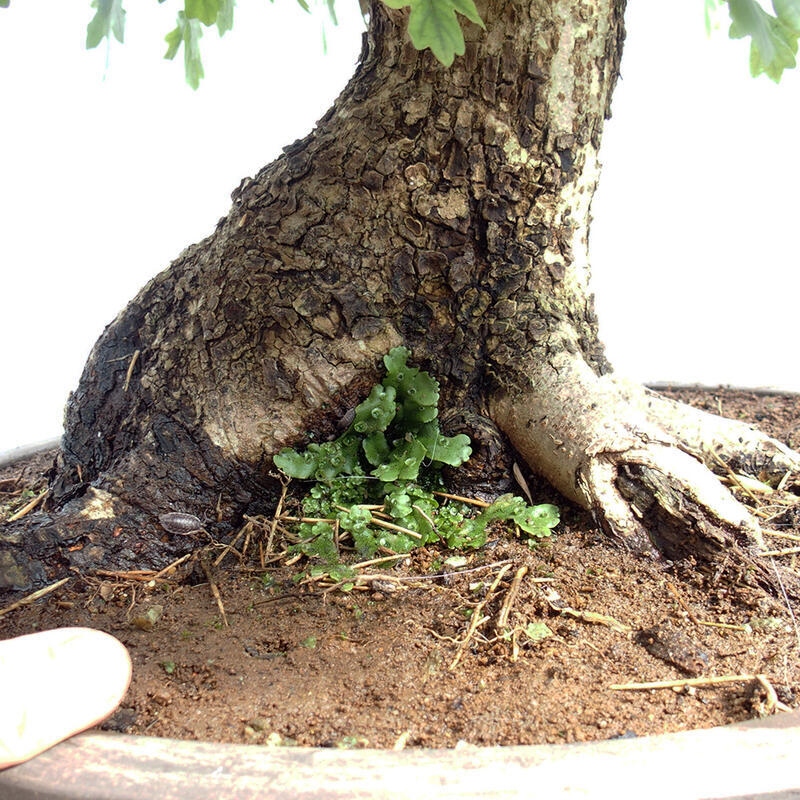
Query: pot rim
[[742, 760]]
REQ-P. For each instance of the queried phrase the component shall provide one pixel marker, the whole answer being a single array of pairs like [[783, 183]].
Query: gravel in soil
[[236, 652]]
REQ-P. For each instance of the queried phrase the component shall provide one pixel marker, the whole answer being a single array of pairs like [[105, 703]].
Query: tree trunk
[[443, 208]]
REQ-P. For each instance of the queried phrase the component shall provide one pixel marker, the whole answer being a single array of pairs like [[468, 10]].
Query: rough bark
[[446, 209]]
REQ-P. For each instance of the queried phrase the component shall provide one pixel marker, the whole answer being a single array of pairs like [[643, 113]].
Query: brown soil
[[389, 663]]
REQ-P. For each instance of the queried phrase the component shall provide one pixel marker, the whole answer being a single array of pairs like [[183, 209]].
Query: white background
[[110, 165]]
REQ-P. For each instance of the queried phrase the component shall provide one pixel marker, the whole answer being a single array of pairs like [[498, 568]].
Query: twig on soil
[[282, 598], [381, 560], [214, 590], [772, 703], [473, 501], [523, 484], [593, 618], [376, 520], [33, 597], [728, 626], [139, 575], [144, 575], [555, 602], [787, 551], [275, 517], [476, 620], [734, 478], [784, 481], [674, 592], [439, 575], [505, 611], [786, 601], [171, 567], [511, 596], [371, 578], [779, 535], [230, 547], [401, 741], [28, 507], [400, 579]]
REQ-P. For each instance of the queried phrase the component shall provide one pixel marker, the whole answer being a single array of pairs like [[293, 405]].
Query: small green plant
[[380, 481], [394, 430]]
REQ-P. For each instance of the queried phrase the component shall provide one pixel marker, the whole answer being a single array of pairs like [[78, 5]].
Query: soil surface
[[230, 646]]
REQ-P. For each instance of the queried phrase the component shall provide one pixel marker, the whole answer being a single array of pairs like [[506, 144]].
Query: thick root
[[724, 445], [659, 498], [643, 464]]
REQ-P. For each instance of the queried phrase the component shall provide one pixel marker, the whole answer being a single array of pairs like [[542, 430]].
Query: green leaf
[[468, 9], [395, 361], [366, 542], [773, 43], [788, 12], [204, 10], [322, 461], [225, 16], [294, 464], [470, 533], [376, 412], [193, 64], [433, 23], [418, 389], [318, 542], [108, 19], [332, 11], [709, 10], [537, 631], [356, 520], [398, 504], [376, 448], [5, 3], [534, 520], [538, 520], [417, 393], [404, 462], [187, 33], [173, 39], [452, 450], [410, 415]]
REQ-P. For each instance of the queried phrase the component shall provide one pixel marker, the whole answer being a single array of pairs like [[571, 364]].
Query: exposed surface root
[[659, 496], [724, 444], [644, 464], [666, 500]]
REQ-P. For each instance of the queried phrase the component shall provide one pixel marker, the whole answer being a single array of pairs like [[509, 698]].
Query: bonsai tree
[[442, 204]]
